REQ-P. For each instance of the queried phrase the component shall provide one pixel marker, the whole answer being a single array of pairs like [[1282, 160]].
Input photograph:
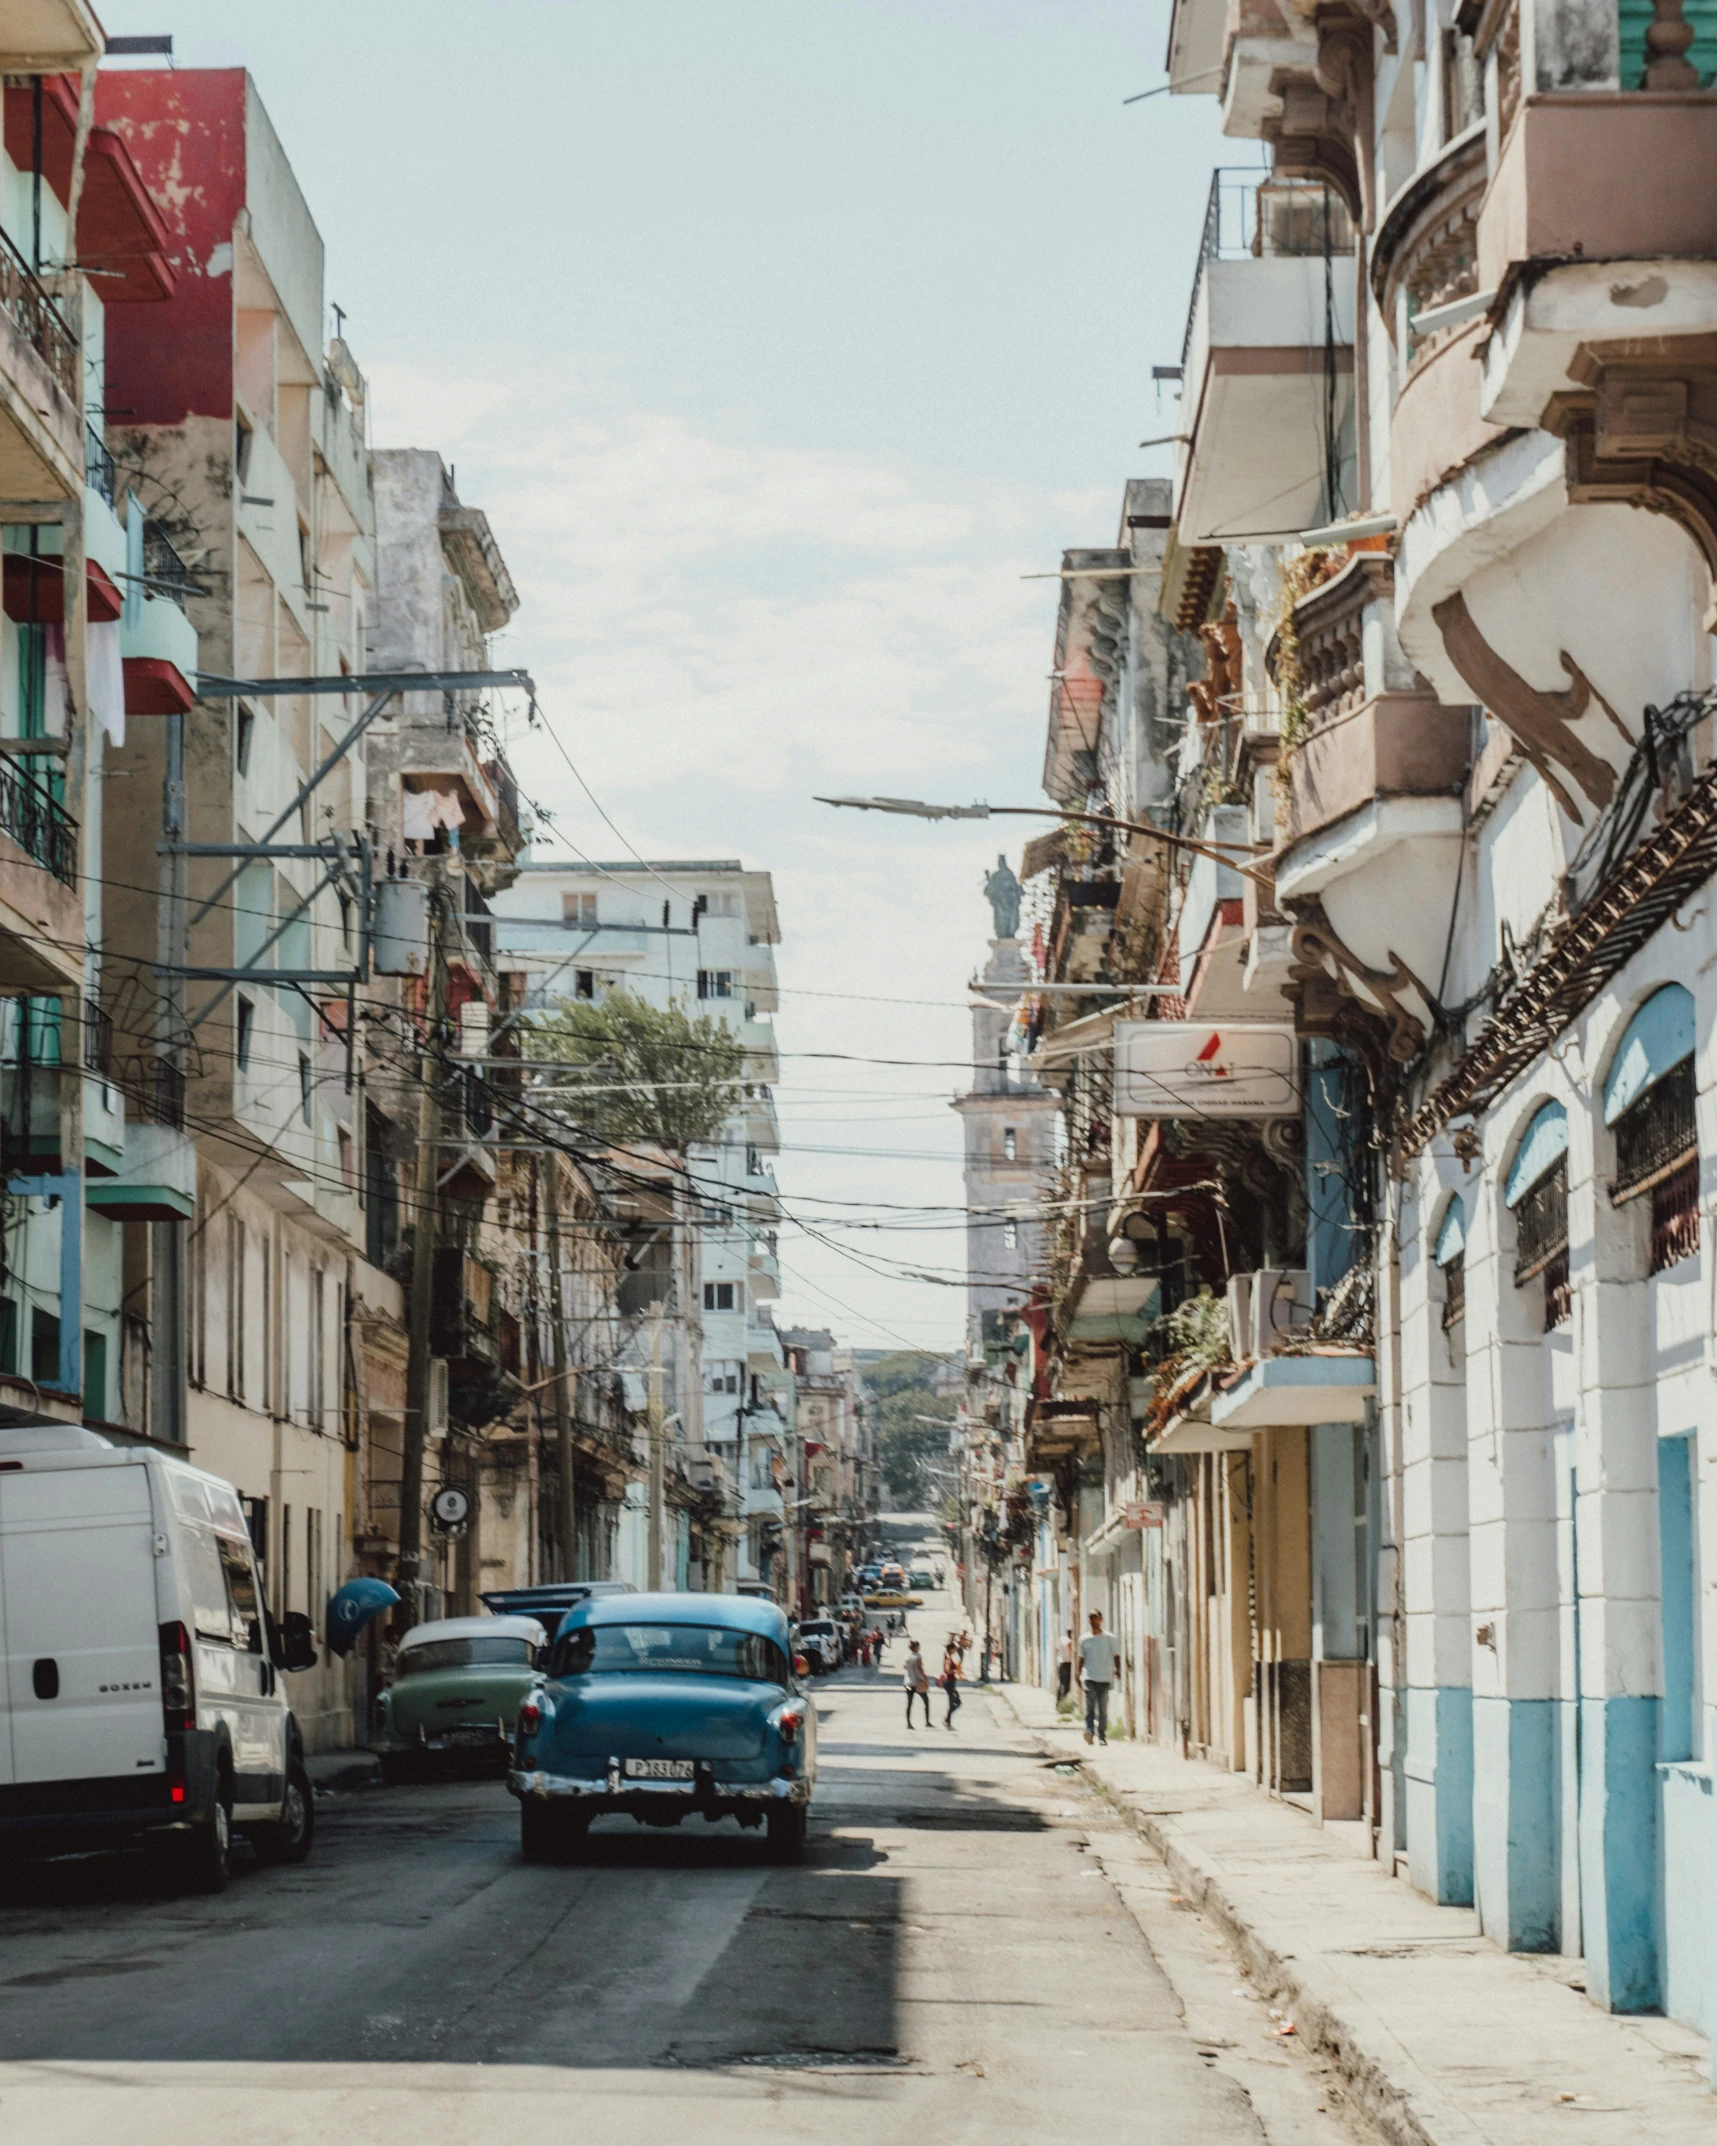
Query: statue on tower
[[1003, 890]]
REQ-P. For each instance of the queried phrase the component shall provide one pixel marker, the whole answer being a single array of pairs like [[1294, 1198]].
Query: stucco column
[[1615, 1530], [1512, 1570], [1436, 1620]]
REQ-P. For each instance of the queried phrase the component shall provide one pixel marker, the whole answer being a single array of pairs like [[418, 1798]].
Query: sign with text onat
[[1205, 1069], [1143, 1516]]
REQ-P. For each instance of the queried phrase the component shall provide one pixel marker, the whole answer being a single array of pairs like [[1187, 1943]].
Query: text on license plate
[[659, 1769], [469, 1736]]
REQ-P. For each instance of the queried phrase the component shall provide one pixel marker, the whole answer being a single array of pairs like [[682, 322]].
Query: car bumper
[[614, 1791]]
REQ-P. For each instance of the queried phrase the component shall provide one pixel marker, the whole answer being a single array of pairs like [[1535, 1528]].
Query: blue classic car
[[664, 1707]]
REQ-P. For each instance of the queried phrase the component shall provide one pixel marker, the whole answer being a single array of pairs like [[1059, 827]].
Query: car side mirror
[[297, 1641]]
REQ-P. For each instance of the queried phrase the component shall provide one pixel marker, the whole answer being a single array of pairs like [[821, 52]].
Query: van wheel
[[289, 1840], [205, 1860], [788, 1825]]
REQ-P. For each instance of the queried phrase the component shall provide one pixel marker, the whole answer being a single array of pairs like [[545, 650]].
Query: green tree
[[655, 1073], [914, 1452]]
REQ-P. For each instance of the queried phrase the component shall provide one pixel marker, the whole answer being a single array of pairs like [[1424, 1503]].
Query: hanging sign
[[1143, 1516], [1201, 1069]]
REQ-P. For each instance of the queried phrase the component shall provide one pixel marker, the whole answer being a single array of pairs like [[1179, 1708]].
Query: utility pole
[[562, 1409], [653, 1417], [424, 1243]]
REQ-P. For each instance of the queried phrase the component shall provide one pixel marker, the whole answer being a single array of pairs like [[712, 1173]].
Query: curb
[[337, 1772], [1382, 2099]]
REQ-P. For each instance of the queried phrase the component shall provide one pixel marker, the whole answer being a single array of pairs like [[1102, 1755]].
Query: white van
[[140, 1692]]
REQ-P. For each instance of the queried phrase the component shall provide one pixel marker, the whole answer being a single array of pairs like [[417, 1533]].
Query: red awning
[[34, 591], [153, 686]]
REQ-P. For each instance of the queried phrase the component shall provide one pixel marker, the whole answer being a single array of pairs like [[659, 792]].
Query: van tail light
[[178, 1688], [530, 1718], [789, 1723]]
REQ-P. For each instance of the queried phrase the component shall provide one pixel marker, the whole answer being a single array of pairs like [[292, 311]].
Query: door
[[1567, 1723], [83, 1669], [7, 1775]]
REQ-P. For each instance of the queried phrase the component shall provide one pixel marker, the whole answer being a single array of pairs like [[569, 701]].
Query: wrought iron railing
[[1252, 214], [43, 830], [1655, 1134], [163, 570], [37, 319], [98, 470], [1541, 1223]]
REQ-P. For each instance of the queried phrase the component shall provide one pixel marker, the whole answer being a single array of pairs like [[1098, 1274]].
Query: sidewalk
[[1444, 2040], [343, 1770]]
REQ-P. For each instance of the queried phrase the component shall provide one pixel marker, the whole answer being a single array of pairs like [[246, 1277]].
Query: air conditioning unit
[[1263, 1304]]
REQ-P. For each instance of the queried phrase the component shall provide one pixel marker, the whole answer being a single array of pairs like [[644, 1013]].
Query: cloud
[[721, 627]]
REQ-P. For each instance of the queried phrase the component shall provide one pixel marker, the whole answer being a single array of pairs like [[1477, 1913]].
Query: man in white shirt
[[1098, 1655]]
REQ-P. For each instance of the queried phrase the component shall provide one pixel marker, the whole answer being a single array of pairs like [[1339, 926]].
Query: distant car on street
[[892, 1598], [820, 1643], [923, 1577], [455, 1695], [665, 1707]]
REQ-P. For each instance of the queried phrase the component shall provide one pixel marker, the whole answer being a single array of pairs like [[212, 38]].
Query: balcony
[[1267, 363], [1368, 814]]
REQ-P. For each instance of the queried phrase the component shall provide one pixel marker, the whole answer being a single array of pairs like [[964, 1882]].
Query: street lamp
[[915, 808]]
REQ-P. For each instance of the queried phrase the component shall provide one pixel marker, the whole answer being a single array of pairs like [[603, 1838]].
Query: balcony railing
[[1252, 215], [43, 830], [37, 319], [164, 572], [98, 469]]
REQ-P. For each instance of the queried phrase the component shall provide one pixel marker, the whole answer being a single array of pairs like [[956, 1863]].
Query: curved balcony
[[1368, 814], [1426, 251]]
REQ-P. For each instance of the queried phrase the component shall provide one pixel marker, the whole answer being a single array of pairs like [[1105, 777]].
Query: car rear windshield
[[437, 1654], [705, 1650]]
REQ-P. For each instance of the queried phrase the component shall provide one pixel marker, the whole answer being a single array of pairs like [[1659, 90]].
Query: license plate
[[468, 1736], [660, 1769]]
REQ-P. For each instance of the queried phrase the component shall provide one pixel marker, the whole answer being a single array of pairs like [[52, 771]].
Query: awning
[[1542, 1146], [35, 590], [1082, 1038], [1283, 1390], [1452, 1237], [1658, 1039]]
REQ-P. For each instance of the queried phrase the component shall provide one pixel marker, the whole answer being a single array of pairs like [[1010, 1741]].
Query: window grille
[[1675, 1215], [1541, 1217], [1558, 1291], [1655, 1135], [1454, 1291]]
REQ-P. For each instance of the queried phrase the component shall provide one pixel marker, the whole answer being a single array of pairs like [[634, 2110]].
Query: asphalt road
[[965, 1946]]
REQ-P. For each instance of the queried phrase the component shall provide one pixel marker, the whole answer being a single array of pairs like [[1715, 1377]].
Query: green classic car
[[455, 1695]]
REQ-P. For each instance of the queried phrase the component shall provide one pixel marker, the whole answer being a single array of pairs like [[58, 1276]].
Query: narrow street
[[964, 1947]]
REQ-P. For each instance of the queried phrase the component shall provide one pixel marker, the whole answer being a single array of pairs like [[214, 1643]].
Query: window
[[241, 448], [718, 1296], [45, 1347], [345, 902], [725, 1378], [8, 1335], [95, 1401], [304, 1087], [244, 736], [245, 1031], [1451, 1261], [584, 983], [1537, 1192], [344, 1140], [1657, 1157], [236, 1336], [435, 1656], [719, 905], [753, 1162], [715, 983], [668, 1649], [1010, 1236], [1010, 1144], [579, 908]]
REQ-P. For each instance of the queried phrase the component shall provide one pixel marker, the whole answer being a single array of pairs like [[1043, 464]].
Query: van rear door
[[81, 1628]]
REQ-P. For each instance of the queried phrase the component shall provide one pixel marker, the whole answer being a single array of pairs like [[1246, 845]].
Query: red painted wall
[[186, 129]]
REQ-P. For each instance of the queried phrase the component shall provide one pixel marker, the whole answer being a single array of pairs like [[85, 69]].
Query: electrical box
[[400, 945]]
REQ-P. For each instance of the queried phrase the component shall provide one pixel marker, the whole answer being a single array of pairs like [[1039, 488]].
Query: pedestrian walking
[[950, 1678], [1064, 1665], [916, 1677], [1098, 1654]]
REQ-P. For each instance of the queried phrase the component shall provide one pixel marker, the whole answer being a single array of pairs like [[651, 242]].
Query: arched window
[[1451, 1257], [1649, 1105], [1537, 1192]]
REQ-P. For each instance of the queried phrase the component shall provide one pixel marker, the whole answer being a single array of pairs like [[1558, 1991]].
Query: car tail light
[[530, 1718], [178, 1687], [789, 1723]]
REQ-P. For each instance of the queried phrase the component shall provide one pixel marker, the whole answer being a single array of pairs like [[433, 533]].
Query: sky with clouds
[[779, 339]]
